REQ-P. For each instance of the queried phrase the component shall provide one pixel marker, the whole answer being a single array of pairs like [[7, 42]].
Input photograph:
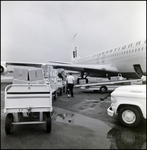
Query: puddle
[[116, 137], [64, 116]]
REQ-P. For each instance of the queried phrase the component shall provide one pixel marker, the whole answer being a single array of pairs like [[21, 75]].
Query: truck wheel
[[129, 116], [8, 124], [48, 122], [103, 89]]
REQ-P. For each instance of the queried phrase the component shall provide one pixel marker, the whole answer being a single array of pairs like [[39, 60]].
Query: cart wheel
[[61, 92], [8, 124], [48, 122]]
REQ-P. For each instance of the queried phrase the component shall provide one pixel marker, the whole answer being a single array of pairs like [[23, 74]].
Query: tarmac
[[79, 122]]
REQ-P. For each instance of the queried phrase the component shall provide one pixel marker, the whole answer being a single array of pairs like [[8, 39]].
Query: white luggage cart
[[24, 100]]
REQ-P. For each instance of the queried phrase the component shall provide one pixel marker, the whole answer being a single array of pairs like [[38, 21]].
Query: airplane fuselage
[[124, 58], [128, 59]]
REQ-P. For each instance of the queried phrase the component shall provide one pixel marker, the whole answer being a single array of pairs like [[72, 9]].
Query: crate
[[35, 74], [28, 76], [20, 76]]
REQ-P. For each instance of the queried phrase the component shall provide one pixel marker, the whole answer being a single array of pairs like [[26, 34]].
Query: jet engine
[[4, 69]]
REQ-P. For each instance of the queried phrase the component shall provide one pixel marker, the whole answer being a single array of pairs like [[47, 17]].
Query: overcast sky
[[39, 31]]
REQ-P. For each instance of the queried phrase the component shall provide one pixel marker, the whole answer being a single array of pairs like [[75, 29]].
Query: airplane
[[129, 60]]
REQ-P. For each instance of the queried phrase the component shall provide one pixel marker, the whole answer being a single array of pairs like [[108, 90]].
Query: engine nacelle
[[4, 69]]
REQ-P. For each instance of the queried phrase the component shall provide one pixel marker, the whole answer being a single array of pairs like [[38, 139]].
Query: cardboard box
[[46, 67], [20, 74], [38, 82], [17, 81], [36, 74]]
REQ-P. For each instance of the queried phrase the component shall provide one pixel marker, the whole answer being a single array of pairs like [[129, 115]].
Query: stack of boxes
[[28, 76], [51, 74], [37, 76]]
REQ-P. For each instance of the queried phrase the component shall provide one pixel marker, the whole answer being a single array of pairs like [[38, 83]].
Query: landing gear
[[83, 79]]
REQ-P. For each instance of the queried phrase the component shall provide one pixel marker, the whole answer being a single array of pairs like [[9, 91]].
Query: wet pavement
[[80, 122]]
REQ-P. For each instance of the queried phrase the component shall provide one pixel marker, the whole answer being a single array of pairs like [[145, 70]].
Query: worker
[[143, 79], [70, 83]]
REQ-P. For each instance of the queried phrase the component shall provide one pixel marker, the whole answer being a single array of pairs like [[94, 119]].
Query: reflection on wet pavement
[[64, 116], [127, 138], [117, 137]]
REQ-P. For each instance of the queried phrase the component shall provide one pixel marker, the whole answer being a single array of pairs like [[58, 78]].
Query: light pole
[[74, 39], [75, 51]]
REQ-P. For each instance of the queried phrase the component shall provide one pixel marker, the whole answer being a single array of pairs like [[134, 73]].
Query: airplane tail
[[75, 54]]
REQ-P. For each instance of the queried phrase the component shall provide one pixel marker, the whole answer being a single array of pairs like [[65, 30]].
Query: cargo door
[[138, 70]]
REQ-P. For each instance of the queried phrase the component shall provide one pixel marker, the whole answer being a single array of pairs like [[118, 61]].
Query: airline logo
[[75, 53]]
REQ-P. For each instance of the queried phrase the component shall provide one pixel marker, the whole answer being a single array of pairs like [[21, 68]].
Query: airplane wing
[[108, 82], [61, 62], [99, 69]]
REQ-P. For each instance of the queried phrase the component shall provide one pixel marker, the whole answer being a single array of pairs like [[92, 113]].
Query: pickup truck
[[129, 104]]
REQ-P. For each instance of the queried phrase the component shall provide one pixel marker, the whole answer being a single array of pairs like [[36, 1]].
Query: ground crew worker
[[143, 79], [70, 83]]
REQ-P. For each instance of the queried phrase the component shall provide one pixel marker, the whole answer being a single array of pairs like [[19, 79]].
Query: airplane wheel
[[48, 122], [8, 124], [103, 89]]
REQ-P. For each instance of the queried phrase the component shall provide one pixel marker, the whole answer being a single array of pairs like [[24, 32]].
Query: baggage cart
[[22, 101]]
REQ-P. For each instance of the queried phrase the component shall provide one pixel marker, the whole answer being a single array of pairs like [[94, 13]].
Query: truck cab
[[129, 103]]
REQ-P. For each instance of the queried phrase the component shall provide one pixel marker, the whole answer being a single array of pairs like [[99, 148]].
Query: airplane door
[[138, 70]]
